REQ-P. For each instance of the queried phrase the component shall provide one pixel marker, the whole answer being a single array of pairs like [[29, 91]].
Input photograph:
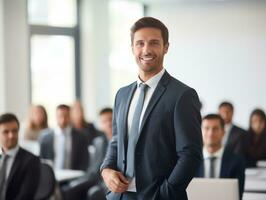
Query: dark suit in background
[[24, 176], [236, 139], [169, 148], [79, 151], [232, 166], [255, 148]]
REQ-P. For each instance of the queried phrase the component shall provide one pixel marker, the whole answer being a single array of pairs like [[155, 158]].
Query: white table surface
[[66, 174], [255, 180], [254, 196]]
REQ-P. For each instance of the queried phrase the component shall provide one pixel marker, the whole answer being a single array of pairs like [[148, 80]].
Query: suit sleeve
[[30, 181], [187, 125], [110, 160], [240, 174]]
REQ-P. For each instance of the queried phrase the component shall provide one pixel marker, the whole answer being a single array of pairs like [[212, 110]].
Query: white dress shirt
[[227, 129], [218, 162], [12, 154], [61, 141], [152, 83]]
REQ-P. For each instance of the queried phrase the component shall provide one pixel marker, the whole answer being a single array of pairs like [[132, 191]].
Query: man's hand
[[115, 180]]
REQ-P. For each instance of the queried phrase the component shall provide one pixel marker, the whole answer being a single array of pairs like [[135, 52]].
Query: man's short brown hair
[[8, 117], [150, 22]]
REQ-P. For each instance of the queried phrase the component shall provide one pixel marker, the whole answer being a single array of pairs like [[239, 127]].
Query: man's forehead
[[148, 33], [6, 125], [209, 122]]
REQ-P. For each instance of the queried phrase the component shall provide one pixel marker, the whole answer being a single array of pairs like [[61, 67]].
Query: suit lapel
[[161, 87], [230, 136], [224, 165], [125, 114], [15, 165]]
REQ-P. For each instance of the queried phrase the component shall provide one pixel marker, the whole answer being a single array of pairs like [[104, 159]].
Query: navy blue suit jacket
[[24, 177], [233, 166], [236, 140], [169, 147]]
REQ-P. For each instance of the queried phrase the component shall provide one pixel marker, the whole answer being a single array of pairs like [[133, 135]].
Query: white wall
[[2, 71], [16, 57], [95, 71], [15, 66], [219, 49]]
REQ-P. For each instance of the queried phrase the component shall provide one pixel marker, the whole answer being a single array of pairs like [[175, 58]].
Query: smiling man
[[19, 169], [157, 145]]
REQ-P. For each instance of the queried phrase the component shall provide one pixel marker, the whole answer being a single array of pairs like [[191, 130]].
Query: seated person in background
[[19, 169], [106, 115], [37, 122], [256, 138], [219, 162], [64, 145], [234, 136], [78, 121], [77, 189]]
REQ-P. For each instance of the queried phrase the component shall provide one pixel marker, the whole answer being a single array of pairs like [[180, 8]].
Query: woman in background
[[36, 123], [256, 138], [78, 122]]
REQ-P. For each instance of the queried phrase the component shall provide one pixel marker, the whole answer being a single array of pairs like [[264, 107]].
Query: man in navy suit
[[234, 136], [19, 169], [219, 162], [156, 146]]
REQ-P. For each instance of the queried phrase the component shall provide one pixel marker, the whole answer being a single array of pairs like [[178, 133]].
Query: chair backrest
[[47, 183], [218, 189]]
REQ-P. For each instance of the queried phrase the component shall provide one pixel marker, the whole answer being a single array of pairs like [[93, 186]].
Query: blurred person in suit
[[64, 145], [98, 191], [219, 162], [91, 183], [19, 169], [234, 136], [255, 145], [79, 123], [37, 122]]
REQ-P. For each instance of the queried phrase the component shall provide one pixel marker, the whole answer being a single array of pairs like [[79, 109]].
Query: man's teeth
[[147, 58]]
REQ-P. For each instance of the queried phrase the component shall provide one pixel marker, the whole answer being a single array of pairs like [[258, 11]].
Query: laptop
[[213, 189]]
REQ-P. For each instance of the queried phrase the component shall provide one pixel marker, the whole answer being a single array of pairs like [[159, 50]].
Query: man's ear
[[166, 46]]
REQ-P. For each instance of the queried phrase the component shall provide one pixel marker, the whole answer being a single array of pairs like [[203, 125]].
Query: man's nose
[[146, 49]]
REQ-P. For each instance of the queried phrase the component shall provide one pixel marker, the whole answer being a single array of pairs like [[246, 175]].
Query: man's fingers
[[123, 179]]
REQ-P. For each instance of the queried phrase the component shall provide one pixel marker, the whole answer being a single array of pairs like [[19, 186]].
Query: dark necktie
[[3, 176], [134, 132], [212, 166]]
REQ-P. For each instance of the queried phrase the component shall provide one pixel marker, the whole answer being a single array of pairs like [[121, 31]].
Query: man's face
[[226, 113], [106, 122], [149, 49], [212, 132], [62, 117], [9, 135]]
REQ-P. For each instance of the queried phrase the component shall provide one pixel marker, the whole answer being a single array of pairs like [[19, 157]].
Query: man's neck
[[145, 76], [213, 149]]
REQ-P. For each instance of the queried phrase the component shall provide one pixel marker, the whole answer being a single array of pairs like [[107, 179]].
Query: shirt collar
[[11, 152], [153, 81], [228, 127], [217, 154], [59, 130]]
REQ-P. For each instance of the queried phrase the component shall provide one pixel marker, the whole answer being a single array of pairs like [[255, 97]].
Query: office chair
[[47, 183]]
